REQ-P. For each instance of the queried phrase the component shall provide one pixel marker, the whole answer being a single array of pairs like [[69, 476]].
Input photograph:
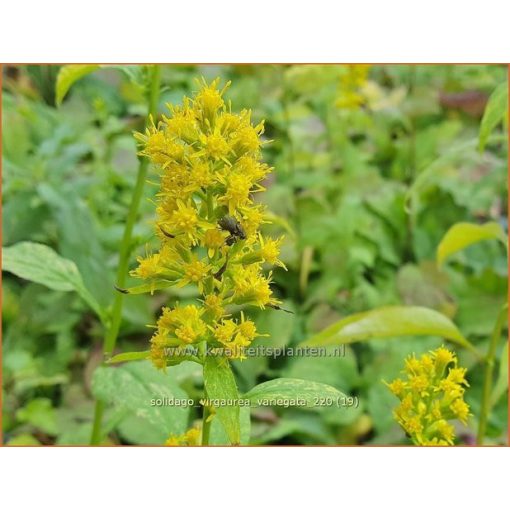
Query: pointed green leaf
[[495, 112], [40, 264], [462, 235], [220, 384], [146, 287], [309, 392], [389, 322], [146, 392], [68, 75], [218, 436], [128, 356]]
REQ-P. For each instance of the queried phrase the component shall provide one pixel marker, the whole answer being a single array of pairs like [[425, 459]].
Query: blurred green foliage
[[364, 192]]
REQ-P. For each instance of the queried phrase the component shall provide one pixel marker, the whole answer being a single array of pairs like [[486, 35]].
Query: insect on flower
[[233, 227]]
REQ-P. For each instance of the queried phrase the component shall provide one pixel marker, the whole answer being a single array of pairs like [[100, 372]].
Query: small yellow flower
[[213, 239], [209, 100], [148, 267], [397, 387], [235, 337], [450, 389], [250, 286], [237, 191], [460, 410], [228, 123], [187, 334], [161, 149], [443, 357], [252, 218], [195, 271], [270, 249], [189, 438], [158, 343], [179, 325], [247, 329], [225, 331], [413, 425], [251, 168], [435, 412], [155, 146], [200, 176], [184, 220], [413, 366], [246, 140], [427, 363], [446, 431], [214, 304], [419, 383], [216, 146], [182, 124], [175, 186], [262, 292], [457, 376]]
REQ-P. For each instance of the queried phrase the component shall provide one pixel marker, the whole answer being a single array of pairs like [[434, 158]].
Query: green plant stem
[[206, 423], [412, 135], [488, 375], [304, 272], [286, 115], [112, 331], [206, 426]]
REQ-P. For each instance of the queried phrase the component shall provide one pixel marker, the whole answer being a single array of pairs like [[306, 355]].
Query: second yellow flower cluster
[[431, 394]]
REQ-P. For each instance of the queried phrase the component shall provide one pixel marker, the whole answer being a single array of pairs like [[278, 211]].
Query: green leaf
[[389, 322], [128, 356], [502, 382], [218, 436], [75, 223], [433, 174], [146, 287], [23, 440], [136, 387], [136, 430], [219, 383], [495, 111], [67, 76], [461, 235], [136, 74], [40, 264], [309, 392], [40, 414], [434, 171], [338, 368]]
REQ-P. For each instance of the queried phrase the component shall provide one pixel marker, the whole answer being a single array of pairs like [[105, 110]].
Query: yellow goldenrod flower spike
[[210, 166], [431, 394]]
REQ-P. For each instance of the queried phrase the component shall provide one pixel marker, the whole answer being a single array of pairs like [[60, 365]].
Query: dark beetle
[[233, 227]]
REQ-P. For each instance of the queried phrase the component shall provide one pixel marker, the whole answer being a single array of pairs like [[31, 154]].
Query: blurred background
[[373, 164]]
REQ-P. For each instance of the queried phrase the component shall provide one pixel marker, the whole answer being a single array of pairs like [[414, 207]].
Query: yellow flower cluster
[[430, 396], [189, 438], [350, 94], [209, 160]]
